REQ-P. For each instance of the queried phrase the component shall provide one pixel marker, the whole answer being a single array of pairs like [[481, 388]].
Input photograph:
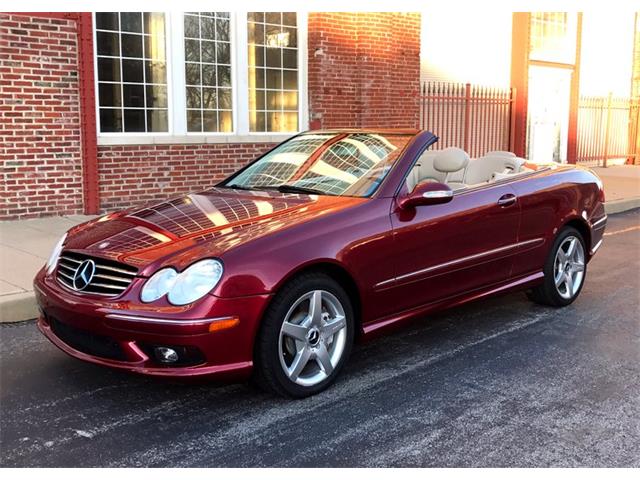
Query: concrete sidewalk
[[25, 245]]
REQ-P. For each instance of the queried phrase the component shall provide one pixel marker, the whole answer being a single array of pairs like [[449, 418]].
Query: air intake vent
[[96, 276]]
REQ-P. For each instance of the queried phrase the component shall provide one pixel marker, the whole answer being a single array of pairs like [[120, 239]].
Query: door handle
[[507, 199]]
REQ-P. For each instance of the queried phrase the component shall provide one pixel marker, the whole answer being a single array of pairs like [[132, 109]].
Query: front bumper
[[121, 333]]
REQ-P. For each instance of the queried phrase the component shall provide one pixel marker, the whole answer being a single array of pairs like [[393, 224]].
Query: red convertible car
[[330, 237]]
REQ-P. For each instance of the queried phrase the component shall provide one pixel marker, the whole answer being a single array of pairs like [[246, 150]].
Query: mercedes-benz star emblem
[[84, 275]]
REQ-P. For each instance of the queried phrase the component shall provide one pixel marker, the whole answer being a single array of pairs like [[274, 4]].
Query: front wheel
[[305, 338], [564, 270]]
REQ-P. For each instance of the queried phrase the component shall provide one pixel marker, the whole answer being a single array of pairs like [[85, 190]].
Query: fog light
[[166, 354]]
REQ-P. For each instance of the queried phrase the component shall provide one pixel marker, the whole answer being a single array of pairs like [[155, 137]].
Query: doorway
[[549, 96]]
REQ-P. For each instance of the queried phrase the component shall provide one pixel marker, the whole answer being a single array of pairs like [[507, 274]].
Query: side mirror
[[427, 193]]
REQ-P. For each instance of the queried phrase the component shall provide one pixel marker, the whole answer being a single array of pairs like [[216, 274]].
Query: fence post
[[512, 119], [606, 130], [467, 116]]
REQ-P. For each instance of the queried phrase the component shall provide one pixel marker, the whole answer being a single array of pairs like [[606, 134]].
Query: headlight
[[183, 288], [158, 285], [55, 255], [195, 282]]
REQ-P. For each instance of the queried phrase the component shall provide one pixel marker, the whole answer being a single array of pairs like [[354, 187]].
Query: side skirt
[[383, 325]]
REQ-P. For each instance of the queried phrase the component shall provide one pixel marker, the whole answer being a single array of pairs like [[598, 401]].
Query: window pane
[[210, 121], [156, 96], [194, 98], [225, 121], [273, 67], [209, 98], [131, 45], [191, 28], [192, 73], [157, 120], [207, 68], [156, 72], [194, 120], [110, 120], [132, 91], [109, 94], [109, 69], [108, 44], [134, 120], [154, 47], [133, 95], [132, 71], [107, 21], [208, 75], [131, 22], [154, 23]]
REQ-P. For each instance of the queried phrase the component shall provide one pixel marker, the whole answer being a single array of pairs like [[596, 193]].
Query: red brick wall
[[364, 69], [137, 174], [39, 118]]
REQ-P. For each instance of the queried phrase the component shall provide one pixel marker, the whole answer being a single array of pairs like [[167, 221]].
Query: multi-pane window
[[553, 36], [198, 73], [207, 54], [132, 72], [273, 71]]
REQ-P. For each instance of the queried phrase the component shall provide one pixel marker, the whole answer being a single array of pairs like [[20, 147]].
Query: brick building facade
[[356, 69]]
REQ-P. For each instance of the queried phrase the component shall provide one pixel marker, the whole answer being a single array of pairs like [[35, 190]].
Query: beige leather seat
[[424, 170], [486, 168], [450, 161]]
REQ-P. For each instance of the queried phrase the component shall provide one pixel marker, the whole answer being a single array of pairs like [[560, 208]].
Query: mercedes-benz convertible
[[329, 238]]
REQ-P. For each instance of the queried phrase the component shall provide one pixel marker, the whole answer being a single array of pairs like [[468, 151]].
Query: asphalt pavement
[[500, 382]]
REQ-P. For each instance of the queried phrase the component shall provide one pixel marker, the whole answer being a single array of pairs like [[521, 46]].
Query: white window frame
[[176, 96]]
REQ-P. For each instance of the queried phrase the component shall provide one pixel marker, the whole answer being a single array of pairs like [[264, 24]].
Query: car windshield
[[350, 164]]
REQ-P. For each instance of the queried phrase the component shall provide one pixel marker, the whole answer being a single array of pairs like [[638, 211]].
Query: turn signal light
[[224, 324]]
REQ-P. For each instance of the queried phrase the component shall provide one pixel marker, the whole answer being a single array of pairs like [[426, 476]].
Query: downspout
[[88, 125]]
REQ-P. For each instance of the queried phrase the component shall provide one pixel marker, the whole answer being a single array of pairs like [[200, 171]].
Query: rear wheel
[[305, 338], [564, 270]]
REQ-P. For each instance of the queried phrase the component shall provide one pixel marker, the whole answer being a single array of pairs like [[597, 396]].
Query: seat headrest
[[451, 159]]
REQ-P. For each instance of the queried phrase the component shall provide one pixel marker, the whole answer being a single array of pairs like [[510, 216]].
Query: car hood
[[198, 225]]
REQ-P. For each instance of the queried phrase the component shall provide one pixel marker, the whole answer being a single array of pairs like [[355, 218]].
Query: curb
[[618, 206], [18, 307], [22, 306]]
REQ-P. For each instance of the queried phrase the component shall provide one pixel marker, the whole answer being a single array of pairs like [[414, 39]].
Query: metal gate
[[607, 130], [475, 118]]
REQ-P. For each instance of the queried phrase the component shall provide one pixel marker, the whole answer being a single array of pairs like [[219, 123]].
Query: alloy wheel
[[312, 338], [568, 270]]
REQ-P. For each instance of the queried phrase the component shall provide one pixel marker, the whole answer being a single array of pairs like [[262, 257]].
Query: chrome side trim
[[163, 321], [603, 219], [596, 247], [459, 260], [438, 194]]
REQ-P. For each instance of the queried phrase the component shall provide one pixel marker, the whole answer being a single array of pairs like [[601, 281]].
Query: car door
[[445, 250]]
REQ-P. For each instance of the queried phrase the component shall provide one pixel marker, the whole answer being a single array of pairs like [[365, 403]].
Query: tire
[[556, 290], [301, 349]]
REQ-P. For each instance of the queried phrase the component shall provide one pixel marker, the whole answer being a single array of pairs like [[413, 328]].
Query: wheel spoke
[[572, 247], [299, 362], [315, 308], [577, 266], [322, 355], [559, 279], [334, 326], [562, 257], [568, 281], [295, 331]]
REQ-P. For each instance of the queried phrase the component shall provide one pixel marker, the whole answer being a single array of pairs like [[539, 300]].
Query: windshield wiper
[[281, 188], [296, 189]]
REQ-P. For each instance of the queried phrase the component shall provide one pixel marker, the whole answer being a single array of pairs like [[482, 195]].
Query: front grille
[[87, 342], [110, 278]]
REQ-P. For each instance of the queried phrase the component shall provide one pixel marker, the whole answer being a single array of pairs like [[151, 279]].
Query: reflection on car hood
[[220, 218]]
